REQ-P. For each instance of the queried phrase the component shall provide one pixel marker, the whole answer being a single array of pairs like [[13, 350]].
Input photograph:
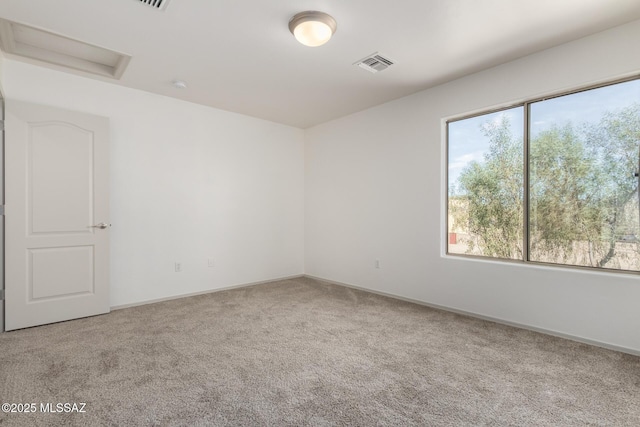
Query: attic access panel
[[34, 43]]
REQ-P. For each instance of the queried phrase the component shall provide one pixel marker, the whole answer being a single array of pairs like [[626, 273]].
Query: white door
[[57, 195]]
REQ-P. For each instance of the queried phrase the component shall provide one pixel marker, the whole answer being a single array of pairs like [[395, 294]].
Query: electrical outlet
[[210, 262], [377, 263], [178, 267]]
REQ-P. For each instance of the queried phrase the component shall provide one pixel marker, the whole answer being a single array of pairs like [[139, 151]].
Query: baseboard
[[488, 318], [210, 291]]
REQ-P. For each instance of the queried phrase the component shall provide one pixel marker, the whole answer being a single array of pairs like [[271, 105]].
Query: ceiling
[[239, 55]]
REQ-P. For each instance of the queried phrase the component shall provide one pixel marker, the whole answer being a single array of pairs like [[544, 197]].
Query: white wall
[[375, 190], [188, 182]]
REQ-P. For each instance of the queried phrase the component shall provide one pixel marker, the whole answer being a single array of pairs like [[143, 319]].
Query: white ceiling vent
[[374, 63], [156, 4]]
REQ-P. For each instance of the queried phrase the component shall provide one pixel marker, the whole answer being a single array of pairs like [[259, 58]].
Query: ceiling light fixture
[[312, 28]]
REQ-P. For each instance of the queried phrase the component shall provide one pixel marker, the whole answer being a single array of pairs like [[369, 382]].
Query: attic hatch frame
[[27, 42]]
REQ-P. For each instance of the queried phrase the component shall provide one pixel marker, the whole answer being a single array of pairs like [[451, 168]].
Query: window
[[486, 185], [562, 189]]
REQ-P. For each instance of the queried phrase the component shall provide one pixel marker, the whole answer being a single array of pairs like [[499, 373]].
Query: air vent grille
[[374, 63], [157, 4]]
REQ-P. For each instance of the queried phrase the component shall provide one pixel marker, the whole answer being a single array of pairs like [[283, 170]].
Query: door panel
[[57, 262], [50, 210], [60, 272]]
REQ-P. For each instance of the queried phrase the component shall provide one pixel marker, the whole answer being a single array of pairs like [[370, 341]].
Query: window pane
[[583, 154], [485, 182]]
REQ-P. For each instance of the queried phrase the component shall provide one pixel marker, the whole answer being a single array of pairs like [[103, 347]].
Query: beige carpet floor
[[303, 352]]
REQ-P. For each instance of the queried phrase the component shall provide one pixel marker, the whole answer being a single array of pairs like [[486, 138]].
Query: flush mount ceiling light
[[312, 28]]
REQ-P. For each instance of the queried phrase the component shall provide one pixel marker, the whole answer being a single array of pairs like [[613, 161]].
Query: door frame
[[2, 183]]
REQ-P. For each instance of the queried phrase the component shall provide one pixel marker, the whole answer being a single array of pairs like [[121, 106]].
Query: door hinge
[[1, 210], [1, 294]]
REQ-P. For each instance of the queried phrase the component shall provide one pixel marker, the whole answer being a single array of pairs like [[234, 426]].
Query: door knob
[[101, 226]]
